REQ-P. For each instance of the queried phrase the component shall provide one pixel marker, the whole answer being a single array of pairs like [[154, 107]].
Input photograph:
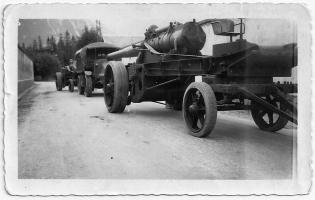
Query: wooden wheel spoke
[[274, 101], [194, 121], [262, 113], [201, 118], [270, 117]]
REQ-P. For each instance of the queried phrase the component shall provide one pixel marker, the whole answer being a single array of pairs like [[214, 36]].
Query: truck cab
[[89, 63]]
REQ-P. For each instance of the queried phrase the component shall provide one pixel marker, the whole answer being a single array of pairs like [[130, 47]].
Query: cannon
[[66, 77], [170, 67], [89, 66]]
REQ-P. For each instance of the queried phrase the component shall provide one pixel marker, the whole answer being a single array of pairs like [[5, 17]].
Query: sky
[[132, 20]]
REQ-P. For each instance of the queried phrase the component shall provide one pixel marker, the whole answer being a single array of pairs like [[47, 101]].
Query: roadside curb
[[26, 91]]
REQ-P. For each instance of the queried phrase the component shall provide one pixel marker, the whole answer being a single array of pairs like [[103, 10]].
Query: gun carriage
[[89, 66], [170, 67]]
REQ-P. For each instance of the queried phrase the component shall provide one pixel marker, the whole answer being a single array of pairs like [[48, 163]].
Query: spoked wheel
[[115, 87], [88, 86], [266, 119], [199, 109], [59, 81], [71, 85], [81, 84]]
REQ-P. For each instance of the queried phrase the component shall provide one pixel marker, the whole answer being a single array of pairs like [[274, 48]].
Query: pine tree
[[99, 31], [67, 49], [40, 44], [61, 43], [67, 38], [88, 36], [35, 46], [53, 44], [61, 49], [48, 44]]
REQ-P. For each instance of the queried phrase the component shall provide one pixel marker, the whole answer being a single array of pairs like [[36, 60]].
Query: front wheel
[[81, 84], [88, 86], [71, 85], [199, 109], [116, 87], [59, 81]]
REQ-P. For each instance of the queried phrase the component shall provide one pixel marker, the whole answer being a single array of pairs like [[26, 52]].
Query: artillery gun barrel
[[125, 52], [188, 37]]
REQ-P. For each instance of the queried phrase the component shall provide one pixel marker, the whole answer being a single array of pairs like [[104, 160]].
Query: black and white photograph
[[155, 98]]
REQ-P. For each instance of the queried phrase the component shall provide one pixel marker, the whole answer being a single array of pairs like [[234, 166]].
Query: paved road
[[64, 135]]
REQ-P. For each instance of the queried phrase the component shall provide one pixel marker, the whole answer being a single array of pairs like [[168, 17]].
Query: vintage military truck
[[66, 77], [237, 76], [89, 66]]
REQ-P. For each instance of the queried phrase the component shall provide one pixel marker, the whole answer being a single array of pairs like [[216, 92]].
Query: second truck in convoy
[[89, 62]]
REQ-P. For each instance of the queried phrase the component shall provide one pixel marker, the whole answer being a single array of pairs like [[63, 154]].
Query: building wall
[[25, 72]]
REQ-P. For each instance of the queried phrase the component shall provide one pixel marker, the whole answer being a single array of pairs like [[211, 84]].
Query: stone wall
[[25, 72]]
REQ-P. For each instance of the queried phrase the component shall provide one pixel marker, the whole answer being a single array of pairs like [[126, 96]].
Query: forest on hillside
[[50, 54]]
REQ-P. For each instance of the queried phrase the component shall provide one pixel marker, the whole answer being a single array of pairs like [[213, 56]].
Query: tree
[[45, 65], [53, 44], [68, 54], [67, 38], [35, 46], [61, 43], [61, 49], [73, 44], [88, 36], [48, 43], [40, 44]]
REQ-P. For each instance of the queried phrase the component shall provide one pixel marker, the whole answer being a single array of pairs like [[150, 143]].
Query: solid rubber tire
[[71, 85], [88, 86], [59, 81], [280, 124], [80, 84], [210, 108], [121, 86]]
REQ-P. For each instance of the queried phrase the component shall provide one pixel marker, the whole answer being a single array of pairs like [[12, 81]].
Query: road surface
[[66, 135]]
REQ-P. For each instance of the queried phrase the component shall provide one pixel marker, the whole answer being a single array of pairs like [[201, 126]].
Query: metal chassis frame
[[253, 93]]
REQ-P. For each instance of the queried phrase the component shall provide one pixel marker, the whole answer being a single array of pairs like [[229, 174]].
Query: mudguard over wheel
[[81, 84], [266, 119], [115, 87], [71, 85], [199, 109], [88, 86], [59, 81]]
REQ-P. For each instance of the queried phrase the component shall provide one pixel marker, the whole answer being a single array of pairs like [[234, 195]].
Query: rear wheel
[[81, 84], [268, 120], [88, 86], [59, 81], [71, 85], [115, 87], [199, 109]]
